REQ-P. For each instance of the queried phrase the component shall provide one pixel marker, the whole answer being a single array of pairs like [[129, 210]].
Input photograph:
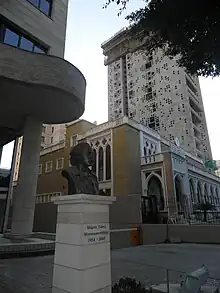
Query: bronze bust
[[80, 177]]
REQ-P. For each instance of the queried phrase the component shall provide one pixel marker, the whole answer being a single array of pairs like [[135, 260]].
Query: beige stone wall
[[153, 234], [125, 212], [126, 161], [48, 31], [170, 184]]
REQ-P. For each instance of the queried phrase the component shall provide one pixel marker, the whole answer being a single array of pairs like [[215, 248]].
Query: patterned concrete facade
[[153, 90]]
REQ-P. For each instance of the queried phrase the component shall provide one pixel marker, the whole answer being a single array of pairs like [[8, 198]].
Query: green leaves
[[185, 27]]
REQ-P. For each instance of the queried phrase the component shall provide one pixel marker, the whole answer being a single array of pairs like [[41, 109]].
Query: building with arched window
[[152, 179]]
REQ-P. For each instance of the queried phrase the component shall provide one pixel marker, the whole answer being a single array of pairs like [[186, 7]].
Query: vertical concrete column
[[82, 252], [1, 150], [25, 194]]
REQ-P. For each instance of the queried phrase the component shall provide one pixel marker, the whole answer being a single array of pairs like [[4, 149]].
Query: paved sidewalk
[[146, 263]]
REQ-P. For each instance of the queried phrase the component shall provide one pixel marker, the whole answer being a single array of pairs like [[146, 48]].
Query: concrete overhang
[[43, 86]]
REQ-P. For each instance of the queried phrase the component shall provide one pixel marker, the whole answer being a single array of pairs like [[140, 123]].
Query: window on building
[[51, 139], [26, 44], [52, 129], [40, 169], [148, 65], [43, 129], [42, 139], [12, 36], [94, 161], [43, 5], [59, 164], [73, 141], [108, 162], [100, 164], [38, 50], [49, 167]]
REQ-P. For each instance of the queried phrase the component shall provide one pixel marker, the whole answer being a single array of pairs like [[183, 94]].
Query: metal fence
[[199, 218]]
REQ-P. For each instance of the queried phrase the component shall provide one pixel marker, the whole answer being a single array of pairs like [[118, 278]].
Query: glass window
[[49, 167], [38, 50], [11, 38], [15, 38], [45, 6], [100, 173], [94, 161], [26, 44], [59, 164], [73, 141], [108, 162]]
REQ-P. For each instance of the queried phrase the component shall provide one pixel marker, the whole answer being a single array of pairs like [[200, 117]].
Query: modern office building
[[38, 87], [152, 89]]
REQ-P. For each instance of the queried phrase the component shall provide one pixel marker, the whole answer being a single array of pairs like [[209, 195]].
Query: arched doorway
[[180, 201], [154, 202]]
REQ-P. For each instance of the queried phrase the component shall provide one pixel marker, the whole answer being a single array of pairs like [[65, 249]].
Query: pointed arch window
[[101, 167], [108, 162], [94, 161]]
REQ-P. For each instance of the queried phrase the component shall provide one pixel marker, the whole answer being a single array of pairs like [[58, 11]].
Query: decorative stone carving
[[80, 177]]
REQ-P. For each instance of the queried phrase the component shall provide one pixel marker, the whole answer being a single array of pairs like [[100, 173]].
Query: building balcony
[[47, 87], [198, 142], [196, 117], [193, 96], [196, 106], [197, 132], [152, 159]]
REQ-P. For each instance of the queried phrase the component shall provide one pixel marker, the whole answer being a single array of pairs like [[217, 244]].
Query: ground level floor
[[34, 275]]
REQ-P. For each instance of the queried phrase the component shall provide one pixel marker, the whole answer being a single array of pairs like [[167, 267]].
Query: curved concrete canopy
[[44, 86]]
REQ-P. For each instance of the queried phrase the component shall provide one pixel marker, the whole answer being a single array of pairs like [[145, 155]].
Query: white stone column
[[82, 252], [25, 194]]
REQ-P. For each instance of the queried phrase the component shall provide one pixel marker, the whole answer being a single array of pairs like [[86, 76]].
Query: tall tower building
[[152, 89]]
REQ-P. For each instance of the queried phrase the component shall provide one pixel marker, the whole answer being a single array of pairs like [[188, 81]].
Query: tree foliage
[[190, 28]]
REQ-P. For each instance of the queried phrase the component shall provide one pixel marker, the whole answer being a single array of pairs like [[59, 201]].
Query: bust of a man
[[80, 177]]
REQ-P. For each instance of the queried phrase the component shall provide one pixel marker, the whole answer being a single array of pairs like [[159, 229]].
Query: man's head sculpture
[[81, 154], [79, 176]]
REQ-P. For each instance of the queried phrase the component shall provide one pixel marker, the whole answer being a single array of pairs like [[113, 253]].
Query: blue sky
[[88, 26]]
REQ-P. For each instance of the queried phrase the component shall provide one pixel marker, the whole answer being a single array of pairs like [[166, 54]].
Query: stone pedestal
[[82, 253], [25, 194]]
